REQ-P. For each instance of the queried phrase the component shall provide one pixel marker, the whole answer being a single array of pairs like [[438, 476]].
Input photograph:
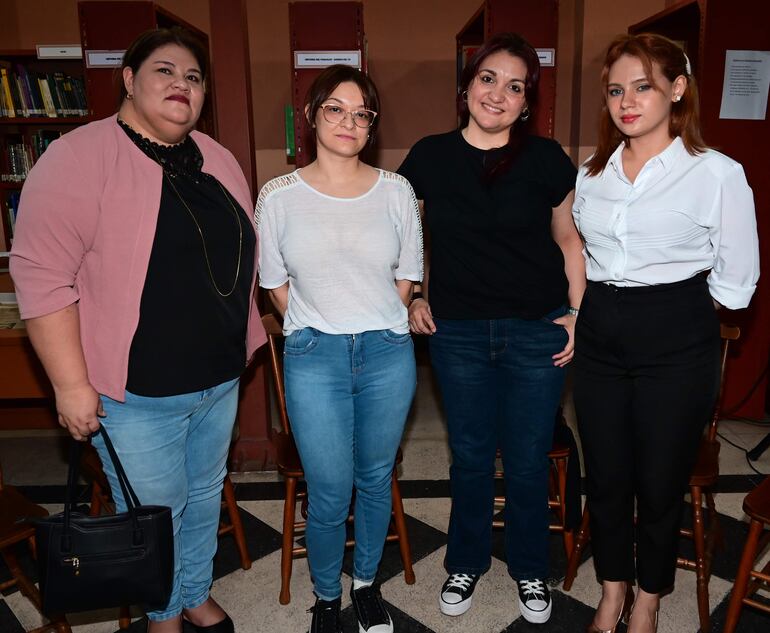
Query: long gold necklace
[[200, 232]]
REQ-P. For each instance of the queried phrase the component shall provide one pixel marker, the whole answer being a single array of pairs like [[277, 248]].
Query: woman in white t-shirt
[[340, 248], [670, 235]]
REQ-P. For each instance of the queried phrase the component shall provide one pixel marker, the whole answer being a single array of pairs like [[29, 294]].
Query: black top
[[189, 337], [491, 251]]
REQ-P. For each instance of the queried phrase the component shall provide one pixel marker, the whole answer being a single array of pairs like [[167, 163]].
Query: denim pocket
[[301, 341], [395, 338]]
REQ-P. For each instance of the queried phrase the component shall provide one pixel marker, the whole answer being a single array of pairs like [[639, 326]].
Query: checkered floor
[[251, 597]]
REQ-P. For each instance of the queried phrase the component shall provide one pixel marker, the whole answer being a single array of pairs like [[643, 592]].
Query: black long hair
[[517, 46]]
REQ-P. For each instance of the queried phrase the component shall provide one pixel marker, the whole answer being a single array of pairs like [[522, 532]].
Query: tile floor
[[251, 597]]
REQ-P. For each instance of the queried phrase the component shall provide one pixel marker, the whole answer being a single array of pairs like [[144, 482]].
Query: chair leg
[[228, 492], [287, 544], [581, 540], [124, 619], [742, 577], [96, 500], [567, 536], [699, 540], [403, 536]]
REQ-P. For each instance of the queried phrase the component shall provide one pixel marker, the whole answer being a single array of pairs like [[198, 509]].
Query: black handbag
[[87, 562]]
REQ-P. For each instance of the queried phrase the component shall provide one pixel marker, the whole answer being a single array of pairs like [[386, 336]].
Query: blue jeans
[[174, 451], [347, 397], [500, 388]]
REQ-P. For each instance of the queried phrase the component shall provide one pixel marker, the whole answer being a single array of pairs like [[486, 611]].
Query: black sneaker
[[534, 600], [326, 616], [457, 593], [370, 612]]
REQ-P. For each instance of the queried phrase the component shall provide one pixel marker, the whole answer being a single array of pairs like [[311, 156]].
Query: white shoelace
[[533, 588], [461, 581]]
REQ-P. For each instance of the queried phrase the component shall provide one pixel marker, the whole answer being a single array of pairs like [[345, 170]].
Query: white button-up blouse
[[682, 215]]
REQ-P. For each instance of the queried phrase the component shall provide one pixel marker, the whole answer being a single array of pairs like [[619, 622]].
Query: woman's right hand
[[421, 318], [79, 408]]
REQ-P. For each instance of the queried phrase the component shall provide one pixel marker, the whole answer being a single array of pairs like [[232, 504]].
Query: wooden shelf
[[45, 120]]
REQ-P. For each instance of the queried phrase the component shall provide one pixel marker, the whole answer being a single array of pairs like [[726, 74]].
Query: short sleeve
[[560, 172], [410, 261], [413, 168], [272, 268], [58, 216]]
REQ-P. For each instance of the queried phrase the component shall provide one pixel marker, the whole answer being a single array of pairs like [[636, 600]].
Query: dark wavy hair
[[517, 46], [684, 121], [149, 41], [326, 83]]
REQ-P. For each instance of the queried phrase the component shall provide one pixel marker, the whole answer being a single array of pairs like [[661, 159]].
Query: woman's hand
[[420, 317], [565, 356], [79, 408]]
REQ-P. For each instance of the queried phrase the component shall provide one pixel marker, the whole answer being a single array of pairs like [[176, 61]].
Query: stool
[[748, 580]]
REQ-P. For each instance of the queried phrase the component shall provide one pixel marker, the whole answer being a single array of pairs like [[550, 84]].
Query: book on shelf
[[26, 93], [12, 203]]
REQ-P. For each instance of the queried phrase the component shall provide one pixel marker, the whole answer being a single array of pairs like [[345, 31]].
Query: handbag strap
[[76, 452]]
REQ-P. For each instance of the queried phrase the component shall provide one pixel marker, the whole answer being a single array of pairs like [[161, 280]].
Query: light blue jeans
[[347, 397], [174, 451]]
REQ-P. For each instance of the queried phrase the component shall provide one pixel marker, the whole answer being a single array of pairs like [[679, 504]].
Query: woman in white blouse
[[670, 235], [340, 248]]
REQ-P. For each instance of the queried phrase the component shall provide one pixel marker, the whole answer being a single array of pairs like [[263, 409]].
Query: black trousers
[[646, 378]]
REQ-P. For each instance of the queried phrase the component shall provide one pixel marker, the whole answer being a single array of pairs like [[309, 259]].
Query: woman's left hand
[[565, 356]]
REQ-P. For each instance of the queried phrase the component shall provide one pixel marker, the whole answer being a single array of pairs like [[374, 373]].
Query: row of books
[[12, 208], [20, 156], [25, 93]]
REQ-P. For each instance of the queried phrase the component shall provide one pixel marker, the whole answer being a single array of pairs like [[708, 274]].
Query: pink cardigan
[[84, 234]]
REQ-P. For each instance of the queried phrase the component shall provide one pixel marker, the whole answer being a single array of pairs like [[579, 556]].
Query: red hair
[[684, 120]]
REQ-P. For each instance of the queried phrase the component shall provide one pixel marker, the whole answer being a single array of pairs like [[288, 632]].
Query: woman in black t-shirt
[[506, 280]]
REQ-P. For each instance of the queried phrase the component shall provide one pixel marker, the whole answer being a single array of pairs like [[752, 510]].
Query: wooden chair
[[706, 531], [290, 467], [748, 580], [101, 502], [14, 530], [557, 495]]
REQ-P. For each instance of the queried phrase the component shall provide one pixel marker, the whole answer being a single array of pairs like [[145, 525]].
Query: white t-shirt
[[341, 256], [682, 215]]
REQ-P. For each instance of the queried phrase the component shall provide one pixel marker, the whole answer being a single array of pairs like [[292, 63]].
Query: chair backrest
[[274, 333], [729, 333]]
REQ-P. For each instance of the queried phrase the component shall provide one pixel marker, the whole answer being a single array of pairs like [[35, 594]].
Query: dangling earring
[[464, 96], [524, 115]]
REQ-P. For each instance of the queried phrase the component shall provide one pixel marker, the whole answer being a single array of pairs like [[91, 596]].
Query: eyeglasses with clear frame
[[335, 115]]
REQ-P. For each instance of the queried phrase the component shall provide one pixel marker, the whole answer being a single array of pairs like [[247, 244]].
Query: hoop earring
[[464, 96], [524, 116]]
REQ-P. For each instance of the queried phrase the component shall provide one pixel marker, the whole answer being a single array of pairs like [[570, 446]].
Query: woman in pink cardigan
[[134, 262]]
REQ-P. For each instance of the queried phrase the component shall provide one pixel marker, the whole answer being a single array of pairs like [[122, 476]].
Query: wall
[[25, 23]]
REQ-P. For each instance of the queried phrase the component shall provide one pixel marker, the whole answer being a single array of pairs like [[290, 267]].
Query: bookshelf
[[707, 29], [537, 21], [40, 99]]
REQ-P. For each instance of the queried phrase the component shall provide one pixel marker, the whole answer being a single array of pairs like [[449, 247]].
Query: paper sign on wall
[[745, 87], [323, 59], [547, 56]]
